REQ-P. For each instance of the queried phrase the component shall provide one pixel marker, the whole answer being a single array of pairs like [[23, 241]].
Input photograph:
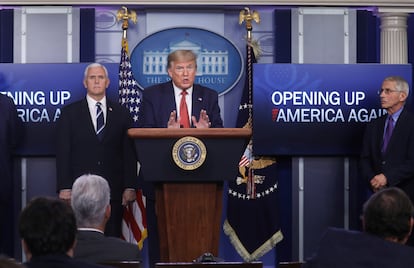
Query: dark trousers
[[114, 224]]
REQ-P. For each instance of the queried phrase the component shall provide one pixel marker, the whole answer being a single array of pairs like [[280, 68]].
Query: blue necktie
[[100, 124], [387, 134]]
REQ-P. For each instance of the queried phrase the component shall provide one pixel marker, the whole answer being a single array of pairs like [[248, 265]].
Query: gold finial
[[123, 15], [248, 16]]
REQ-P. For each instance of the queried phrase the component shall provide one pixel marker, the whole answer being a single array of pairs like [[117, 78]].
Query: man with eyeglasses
[[387, 157]]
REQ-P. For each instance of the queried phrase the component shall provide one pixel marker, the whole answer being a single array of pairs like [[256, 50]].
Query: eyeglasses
[[387, 91]]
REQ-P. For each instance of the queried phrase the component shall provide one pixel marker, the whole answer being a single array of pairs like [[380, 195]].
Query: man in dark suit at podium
[[162, 104], [174, 104], [387, 221], [90, 203], [92, 138]]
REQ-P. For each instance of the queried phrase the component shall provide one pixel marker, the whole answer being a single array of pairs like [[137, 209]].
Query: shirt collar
[[177, 91], [90, 229], [92, 102], [397, 114]]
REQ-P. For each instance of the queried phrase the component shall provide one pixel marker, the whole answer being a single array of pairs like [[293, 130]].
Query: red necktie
[[184, 119]]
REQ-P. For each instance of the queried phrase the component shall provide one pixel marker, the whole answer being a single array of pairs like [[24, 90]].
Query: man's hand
[[203, 122], [65, 195], [129, 195], [173, 122], [378, 182]]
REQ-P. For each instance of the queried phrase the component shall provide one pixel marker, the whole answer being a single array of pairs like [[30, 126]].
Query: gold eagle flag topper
[[248, 16], [125, 16]]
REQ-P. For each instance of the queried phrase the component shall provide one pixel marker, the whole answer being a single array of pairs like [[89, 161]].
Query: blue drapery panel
[[87, 35], [6, 35]]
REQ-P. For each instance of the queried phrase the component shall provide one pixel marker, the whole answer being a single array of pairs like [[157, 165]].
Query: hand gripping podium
[[188, 167]]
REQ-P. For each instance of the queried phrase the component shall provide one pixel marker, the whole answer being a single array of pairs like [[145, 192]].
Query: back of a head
[[90, 197], [47, 226], [388, 214]]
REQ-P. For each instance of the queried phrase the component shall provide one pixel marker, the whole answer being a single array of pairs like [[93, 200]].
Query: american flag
[[252, 223], [134, 222], [129, 92]]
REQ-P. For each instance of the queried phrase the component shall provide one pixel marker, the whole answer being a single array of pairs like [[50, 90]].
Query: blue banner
[[316, 109], [40, 91]]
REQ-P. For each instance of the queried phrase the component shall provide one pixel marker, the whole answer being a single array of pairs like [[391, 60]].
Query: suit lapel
[[168, 100], [197, 101], [109, 118], [86, 115], [398, 128]]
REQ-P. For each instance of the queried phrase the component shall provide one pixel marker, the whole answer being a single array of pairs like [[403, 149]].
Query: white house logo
[[219, 62]]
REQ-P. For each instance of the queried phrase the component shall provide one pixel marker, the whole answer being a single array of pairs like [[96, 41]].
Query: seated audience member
[[387, 222], [91, 204], [48, 231]]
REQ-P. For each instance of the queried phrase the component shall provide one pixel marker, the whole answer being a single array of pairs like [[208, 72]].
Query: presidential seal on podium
[[189, 153]]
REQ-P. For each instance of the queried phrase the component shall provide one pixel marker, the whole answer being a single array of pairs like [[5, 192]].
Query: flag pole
[[134, 224], [248, 16]]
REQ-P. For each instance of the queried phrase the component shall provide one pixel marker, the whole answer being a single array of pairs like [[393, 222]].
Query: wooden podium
[[189, 198]]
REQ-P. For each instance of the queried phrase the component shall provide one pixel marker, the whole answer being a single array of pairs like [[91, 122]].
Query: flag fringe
[[144, 235], [262, 250]]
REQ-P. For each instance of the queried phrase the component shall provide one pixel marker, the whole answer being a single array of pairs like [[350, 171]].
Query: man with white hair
[[91, 204]]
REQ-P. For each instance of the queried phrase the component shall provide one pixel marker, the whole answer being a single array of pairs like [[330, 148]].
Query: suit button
[[383, 162], [99, 163]]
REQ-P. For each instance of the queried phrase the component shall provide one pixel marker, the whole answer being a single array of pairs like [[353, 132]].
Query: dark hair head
[[47, 226], [388, 213]]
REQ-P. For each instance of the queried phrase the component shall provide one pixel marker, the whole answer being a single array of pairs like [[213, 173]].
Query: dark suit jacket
[[79, 150], [10, 134], [398, 162], [345, 249], [61, 261], [158, 102], [95, 247]]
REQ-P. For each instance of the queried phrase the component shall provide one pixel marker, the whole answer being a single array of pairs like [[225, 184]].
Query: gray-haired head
[[92, 65], [90, 198], [400, 83]]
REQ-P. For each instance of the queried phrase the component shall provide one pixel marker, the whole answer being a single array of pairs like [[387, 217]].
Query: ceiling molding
[[342, 3]]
